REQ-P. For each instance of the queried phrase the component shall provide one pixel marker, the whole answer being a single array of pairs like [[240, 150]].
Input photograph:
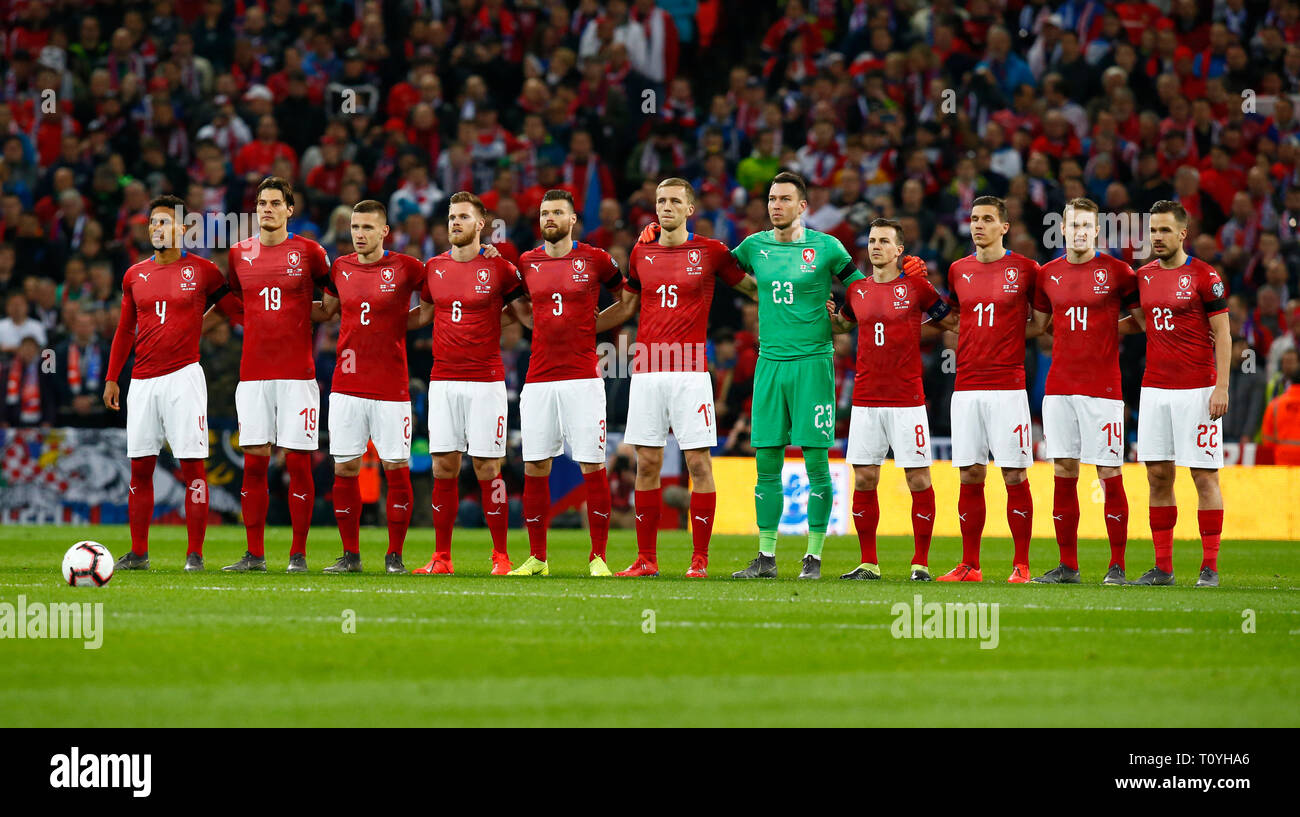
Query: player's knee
[[1206, 481], [918, 479], [1108, 471], [700, 467], [486, 468], [1066, 468], [1160, 475], [349, 468], [972, 474], [446, 466], [649, 461], [1014, 476]]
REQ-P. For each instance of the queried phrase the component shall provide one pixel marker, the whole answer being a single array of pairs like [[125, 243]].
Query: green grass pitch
[[216, 649]]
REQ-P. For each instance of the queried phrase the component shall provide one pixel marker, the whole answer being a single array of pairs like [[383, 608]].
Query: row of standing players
[[468, 292]]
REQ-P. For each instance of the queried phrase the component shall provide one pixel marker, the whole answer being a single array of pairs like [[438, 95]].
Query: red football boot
[[640, 567], [698, 565], [1020, 575], [438, 566], [500, 564], [962, 573]]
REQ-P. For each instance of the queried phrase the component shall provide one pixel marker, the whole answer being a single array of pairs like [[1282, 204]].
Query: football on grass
[[87, 564]]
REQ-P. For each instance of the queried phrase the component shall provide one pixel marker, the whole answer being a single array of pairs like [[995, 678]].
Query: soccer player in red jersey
[[1184, 390], [275, 274], [1086, 296], [463, 293], [563, 398], [164, 298], [888, 398], [370, 398], [990, 409], [671, 384]]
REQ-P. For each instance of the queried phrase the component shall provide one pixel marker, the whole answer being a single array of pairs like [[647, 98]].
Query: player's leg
[[922, 490], [769, 435], [865, 450], [647, 431], [397, 473], [255, 407], [1063, 438], [144, 439], [908, 428], [1006, 416], [390, 430], [543, 440], [1115, 509], [970, 455], [446, 499], [1209, 515], [350, 429], [703, 507], [866, 518], [487, 470], [1156, 448], [184, 410], [485, 434], [810, 393], [582, 420], [648, 500], [297, 411], [1101, 424]]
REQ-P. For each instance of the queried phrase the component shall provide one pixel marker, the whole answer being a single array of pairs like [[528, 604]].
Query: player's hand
[[1218, 402], [111, 392], [650, 234], [914, 266], [490, 251], [830, 308]]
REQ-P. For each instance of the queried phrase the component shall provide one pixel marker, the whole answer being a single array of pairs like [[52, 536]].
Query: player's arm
[[1039, 324], [326, 308], [840, 324], [419, 316], [1139, 321], [618, 313], [747, 284], [1219, 328], [523, 310], [123, 340]]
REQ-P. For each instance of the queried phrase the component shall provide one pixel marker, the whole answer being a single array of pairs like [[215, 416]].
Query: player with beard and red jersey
[[888, 396], [990, 409], [1085, 295], [370, 398], [1184, 390], [463, 293], [563, 398], [671, 279], [275, 274], [164, 299]]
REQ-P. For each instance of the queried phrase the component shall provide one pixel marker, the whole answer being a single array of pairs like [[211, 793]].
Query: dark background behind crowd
[[903, 109]]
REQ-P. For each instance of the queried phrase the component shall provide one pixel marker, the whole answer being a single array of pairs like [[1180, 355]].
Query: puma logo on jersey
[[923, 516], [439, 272], [1020, 513], [300, 496], [535, 267], [144, 276], [763, 253], [345, 274], [650, 259], [132, 487], [1055, 278], [966, 275], [241, 493], [1148, 278]]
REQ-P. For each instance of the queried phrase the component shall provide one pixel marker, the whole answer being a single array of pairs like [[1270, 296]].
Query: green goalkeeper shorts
[[794, 403]]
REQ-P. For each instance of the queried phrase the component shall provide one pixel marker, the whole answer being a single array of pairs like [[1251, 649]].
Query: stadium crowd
[[902, 109]]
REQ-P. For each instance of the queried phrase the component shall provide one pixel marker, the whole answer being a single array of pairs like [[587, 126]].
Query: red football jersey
[[564, 292], [1178, 304], [277, 285], [994, 299], [676, 288], [163, 305], [1085, 301], [373, 303], [889, 317], [468, 297]]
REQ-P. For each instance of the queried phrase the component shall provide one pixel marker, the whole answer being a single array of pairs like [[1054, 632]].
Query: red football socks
[[703, 506], [537, 513], [598, 503], [347, 511], [445, 498], [648, 505], [1211, 523], [196, 504], [139, 506], [1065, 513], [253, 502], [1163, 519], [399, 506], [1020, 518], [970, 513], [1116, 510], [866, 516], [495, 511], [922, 525], [302, 497]]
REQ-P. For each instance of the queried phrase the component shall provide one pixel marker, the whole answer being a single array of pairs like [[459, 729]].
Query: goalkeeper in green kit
[[794, 383]]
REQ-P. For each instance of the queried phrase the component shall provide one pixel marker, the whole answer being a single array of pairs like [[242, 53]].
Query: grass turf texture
[[216, 649]]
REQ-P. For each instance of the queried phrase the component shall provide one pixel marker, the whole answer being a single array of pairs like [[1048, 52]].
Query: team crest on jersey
[[386, 274], [483, 276], [294, 257], [1184, 282], [1011, 274], [188, 273], [809, 255], [1217, 289], [900, 291], [693, 257], [579, 264], [1099, 276]]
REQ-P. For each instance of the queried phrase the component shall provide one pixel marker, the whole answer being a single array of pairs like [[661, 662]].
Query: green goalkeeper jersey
[[794, 281]]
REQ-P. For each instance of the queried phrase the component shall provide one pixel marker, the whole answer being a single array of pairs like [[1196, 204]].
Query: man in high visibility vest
[[1281, 428]]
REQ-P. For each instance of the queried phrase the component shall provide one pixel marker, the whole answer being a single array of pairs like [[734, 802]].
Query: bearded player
[[370, 399], [164, 298], [888, 397], [671, 279], [1184, 389], [463, 293], [990, 408], [563, 398], [1086, 295], [275, 274], [794, 382]]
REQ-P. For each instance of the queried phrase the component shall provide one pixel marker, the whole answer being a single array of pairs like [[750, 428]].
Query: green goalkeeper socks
[[815, 541], [767, 542], [819, 493], [768, 496]]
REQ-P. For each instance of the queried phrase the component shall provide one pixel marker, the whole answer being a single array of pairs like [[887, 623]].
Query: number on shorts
[[558, 309], [456, 313], [160, 309], [406, 428], [920, 436], [1162, 319], [1022, 434], [365, 313], [501, 426], [705, 410], [1207, 436], [1113, 434], [824, 416], [308, 416], [602, 432], [270, 298]]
